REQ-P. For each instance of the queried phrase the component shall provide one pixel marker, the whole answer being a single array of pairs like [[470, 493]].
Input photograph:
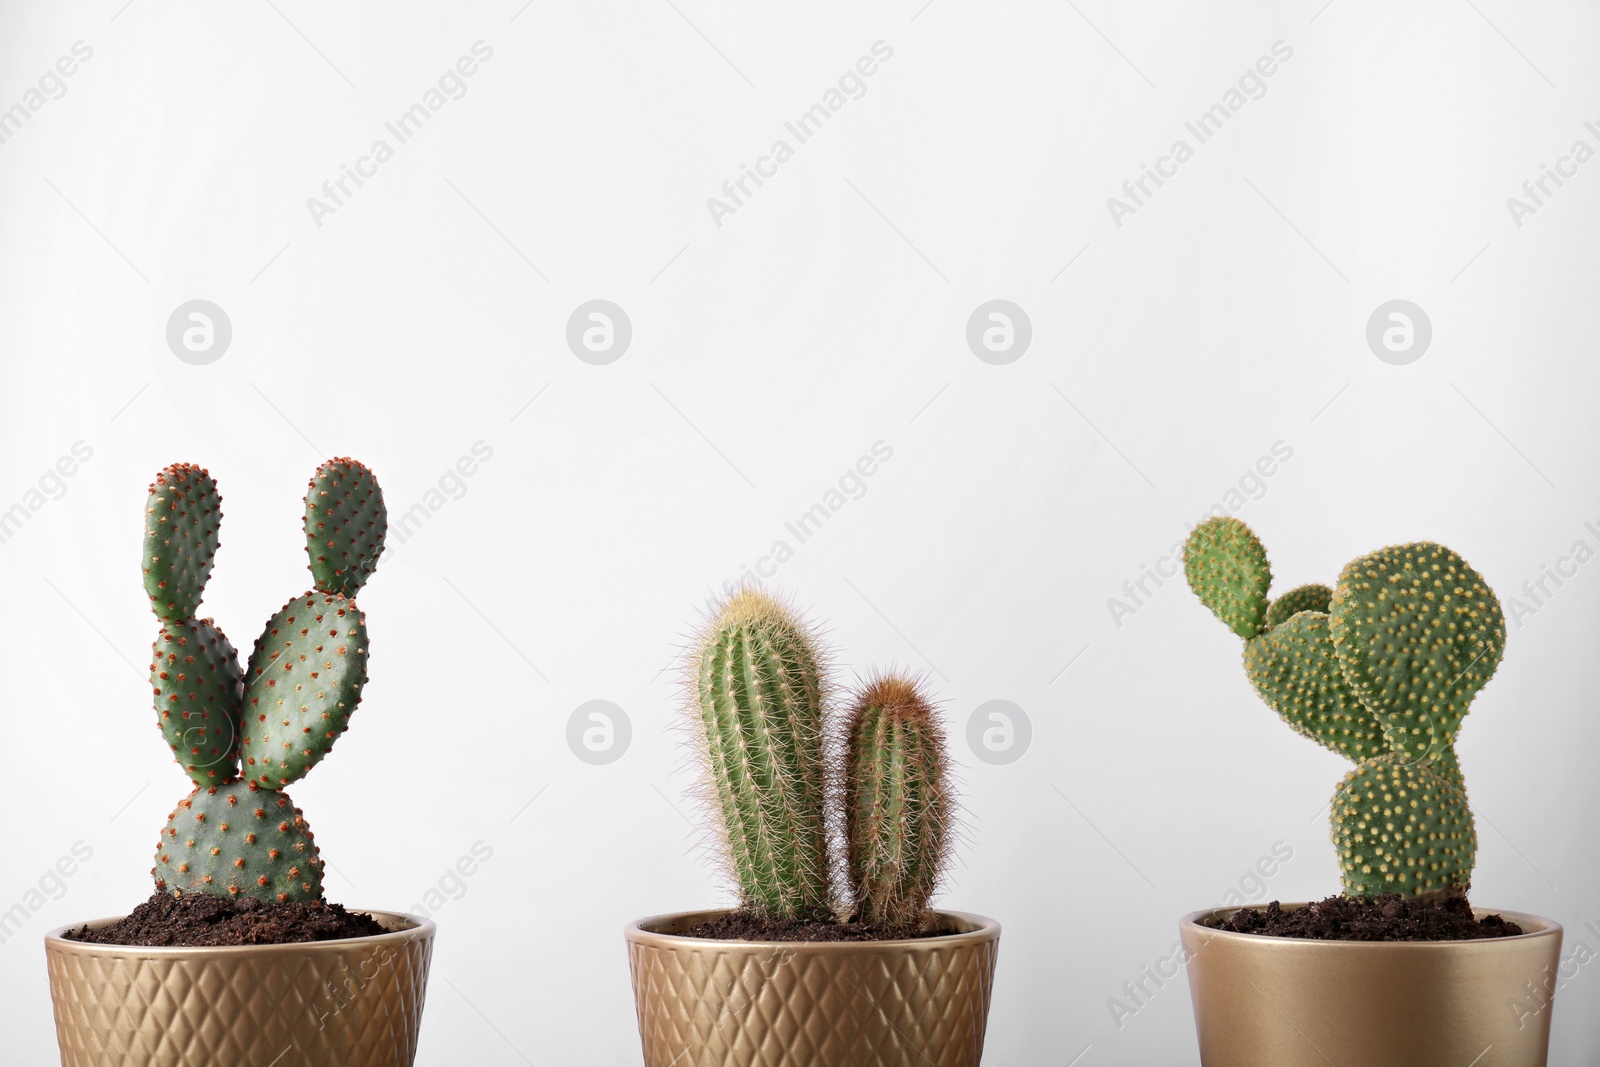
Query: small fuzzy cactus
[[763, 715], [896, 803], [1381, 669], [242, 735]]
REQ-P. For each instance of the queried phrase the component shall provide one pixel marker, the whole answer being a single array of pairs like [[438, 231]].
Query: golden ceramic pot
[[915, 1003], [1288, 1002], [350, 1003]]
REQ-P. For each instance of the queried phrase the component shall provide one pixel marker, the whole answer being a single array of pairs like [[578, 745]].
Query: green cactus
[[1227, 569], [1400, 828], [346, 524], [761, 704], [280, 716], [1381, 669], [759, 692], [238, 840], [303, 681], [195, 673], [1313, 597], [896, 803], [1295, 670], [180, 539], [1419, 633]]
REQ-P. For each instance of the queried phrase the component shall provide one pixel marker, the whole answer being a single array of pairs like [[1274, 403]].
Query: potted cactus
[[1399, 969], [827, 960], [236, 958]]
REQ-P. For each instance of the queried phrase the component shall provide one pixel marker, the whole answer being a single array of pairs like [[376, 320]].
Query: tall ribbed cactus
[[760, 690], [243, 836], [778, 788], [1380, 669], [896, 803]]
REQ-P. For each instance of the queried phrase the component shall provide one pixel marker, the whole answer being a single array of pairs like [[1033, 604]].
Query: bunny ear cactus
[[236, 836], [1419, 633], [779, 790], [896, 803], [1381, 669], [759, 691], [182, 517], [346, 524]]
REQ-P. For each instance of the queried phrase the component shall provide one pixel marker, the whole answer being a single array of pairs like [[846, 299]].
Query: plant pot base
[[348, 1003], [1285, 1002], [910, 1003]]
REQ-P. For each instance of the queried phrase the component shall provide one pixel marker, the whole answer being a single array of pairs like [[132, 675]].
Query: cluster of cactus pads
[[244, 735], [1381, 669], [781, 789]]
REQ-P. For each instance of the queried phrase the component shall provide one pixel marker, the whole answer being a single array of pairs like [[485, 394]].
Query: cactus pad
[[1418, 633], [182, 516], [303, 681], [1295, 670], [759, 693], [1227, 568], [1401, 829], [1313, 597], [238, 840], [346, 524], [195, 674], [896, 804]]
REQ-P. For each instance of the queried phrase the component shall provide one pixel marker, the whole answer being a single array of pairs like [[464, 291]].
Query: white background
[[768, 354]]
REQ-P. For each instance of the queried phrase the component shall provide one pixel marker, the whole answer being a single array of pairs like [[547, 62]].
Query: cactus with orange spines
[[242, 735]]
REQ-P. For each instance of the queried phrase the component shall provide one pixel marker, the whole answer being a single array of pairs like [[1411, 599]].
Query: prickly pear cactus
[[896, 803], [1419, 633], [1227, 568], [303, 681], [1400, 828], [759, 692], [1312, 597], [244, 837], [238, 840], [180, 539], [346, 524], [198, 693], [1381, 669], [1295, 670]]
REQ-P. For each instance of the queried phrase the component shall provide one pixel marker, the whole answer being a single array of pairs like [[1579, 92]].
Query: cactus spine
[[896, 803], [760, 694], [236, 836], [761, 699], [1381, 669]]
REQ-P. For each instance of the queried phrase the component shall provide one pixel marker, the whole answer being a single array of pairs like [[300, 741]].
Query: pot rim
[[1534, 926], [420, 927], [983, 929]]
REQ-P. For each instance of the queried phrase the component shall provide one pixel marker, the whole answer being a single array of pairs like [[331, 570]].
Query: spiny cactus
[[1401, 828], [761, 703], [180, 539], [1419, 633], [1381, 669], [760, 691], [237, 836], [239, 840], [896, 803]]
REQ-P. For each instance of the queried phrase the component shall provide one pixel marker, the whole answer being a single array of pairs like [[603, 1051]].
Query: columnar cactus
[[238, 833], [761, 702], [760, 691], [1381, 669], [896, 803]]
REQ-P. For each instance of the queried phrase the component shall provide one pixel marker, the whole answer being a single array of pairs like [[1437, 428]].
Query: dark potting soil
[[199, 920], [743, 926], [1386, 918]]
